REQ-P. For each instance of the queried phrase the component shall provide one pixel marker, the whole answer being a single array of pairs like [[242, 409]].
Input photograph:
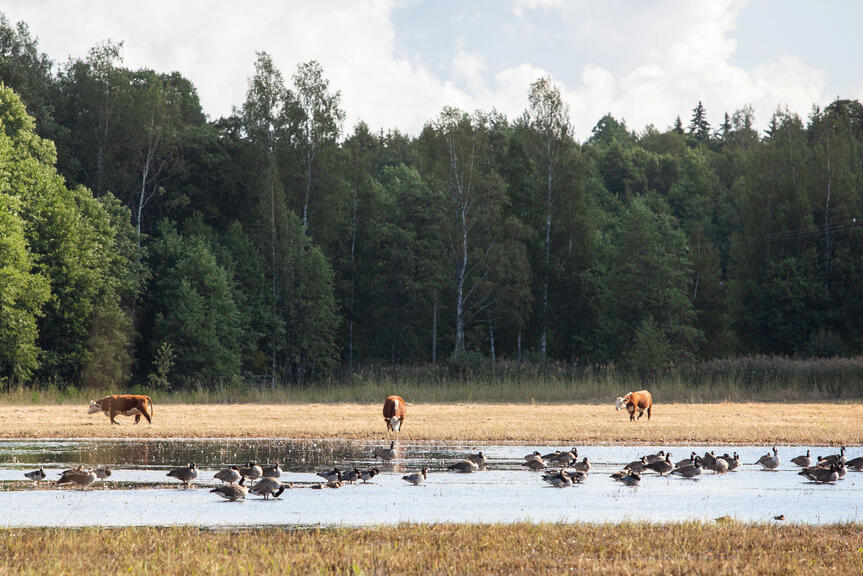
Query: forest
[[143, 242]]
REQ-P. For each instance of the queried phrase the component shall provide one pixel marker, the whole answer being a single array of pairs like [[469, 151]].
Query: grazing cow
[[136, 405], [633, 401], [394, 412]]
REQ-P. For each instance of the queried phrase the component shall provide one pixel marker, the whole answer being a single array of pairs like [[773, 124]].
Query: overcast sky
[[397, 62]]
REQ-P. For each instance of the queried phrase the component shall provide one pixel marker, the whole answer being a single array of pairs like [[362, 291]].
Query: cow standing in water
[[394, 412], [633, 401], [136, 405]]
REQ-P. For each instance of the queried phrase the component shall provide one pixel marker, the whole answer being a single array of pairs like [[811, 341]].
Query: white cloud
[[642, 62]]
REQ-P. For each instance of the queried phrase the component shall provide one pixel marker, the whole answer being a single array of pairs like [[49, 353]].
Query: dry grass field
[[725, 423], [690, 548]]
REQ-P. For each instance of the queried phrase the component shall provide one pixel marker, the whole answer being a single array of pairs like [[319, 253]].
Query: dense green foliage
[[156, 244]]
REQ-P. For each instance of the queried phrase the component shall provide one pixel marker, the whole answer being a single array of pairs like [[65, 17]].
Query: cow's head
[[394, 423], [94, 407], [619, 403]]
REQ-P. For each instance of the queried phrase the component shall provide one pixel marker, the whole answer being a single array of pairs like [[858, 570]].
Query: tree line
[[142, 241]]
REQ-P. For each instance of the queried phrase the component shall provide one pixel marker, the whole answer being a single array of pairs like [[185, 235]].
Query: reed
[[687, 548], [758, 378]]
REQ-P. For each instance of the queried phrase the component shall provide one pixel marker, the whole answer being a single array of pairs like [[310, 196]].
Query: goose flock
[[559, 469]]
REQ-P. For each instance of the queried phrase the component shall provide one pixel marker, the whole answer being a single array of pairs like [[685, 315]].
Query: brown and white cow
[[394, 412], [136, 405], [633, 401]]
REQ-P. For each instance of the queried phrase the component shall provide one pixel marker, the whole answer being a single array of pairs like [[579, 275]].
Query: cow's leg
[[113, 413], [648, 411], [631, 413], [640, 413], [137, 418], [147, 416]]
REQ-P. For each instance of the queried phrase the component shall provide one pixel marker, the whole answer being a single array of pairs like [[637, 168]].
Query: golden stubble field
[[724, 423], [689, 548]]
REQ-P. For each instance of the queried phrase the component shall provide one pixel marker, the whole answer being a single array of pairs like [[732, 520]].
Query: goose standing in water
[[690, 471], [232, 492], [833, 457], [386, 453], [479, 458], [768, 461], [367, 475], [821, 475], [631, 479], [229, 475], [662, 466], [185, 474], [36, 475], [686, 461], [334, 475], [720, 466], [79, 476], [856, 464], [266, 487], [251, 471], [638, 465], [658, 457], [583, 466], [417, 478], [733, 461], [561, 480], [274, 471], [804, 461]]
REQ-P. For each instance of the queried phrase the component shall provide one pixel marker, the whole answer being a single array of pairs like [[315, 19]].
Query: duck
[[185, 474], [367, 475], [386, 453], [637, 465], [229, 475], [334, 475], [463, 466], [804, 461], [251, 471], [232, 492], [662, 466], [769, 462], [79, 476], [479, 458], [417, 478], [583, 466], [274, 471], [686, 461], [267, 486], [856, 464], [535, 464], [820, 474], [36, 475], [690, 471], [103, 472]]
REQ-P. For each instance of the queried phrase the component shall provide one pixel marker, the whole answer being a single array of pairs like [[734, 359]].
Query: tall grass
[[758, 378]]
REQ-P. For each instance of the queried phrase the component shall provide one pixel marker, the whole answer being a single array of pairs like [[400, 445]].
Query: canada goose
[[331, 475], [267, 486], [229, 475], [351, 476], [386, 453], [251, 471], [417, 478], [720, 466], [631, 479], [658, 457], [708, 460], [562, 480], [274, 471], [479, 458], [686, 461], [535, 464], [821, 475], [367, 475], [563, 458], [804, 461], [856, 464], [662, 466], [185, 474], [690, 471], [550, 455], [769, 462], [36, 475], [535, 455], [103, 472], [733, 461], [583, 466], [79, 476], [834, 457], [620, 473], [841, 468], [232, 492], [637, 465], [463, 466]]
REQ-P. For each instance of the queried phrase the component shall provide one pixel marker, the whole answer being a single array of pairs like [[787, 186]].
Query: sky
[[398, 62]]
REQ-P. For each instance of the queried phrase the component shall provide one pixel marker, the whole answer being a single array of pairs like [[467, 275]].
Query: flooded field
[[139, 492]]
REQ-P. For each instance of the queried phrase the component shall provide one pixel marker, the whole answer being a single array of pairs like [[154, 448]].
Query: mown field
[[722, 423], [689, 548]]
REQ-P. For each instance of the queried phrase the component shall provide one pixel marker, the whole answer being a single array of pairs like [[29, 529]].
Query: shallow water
[[504, 492]]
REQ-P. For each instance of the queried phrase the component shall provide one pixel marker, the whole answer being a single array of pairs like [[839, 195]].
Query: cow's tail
[[150, 402]]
